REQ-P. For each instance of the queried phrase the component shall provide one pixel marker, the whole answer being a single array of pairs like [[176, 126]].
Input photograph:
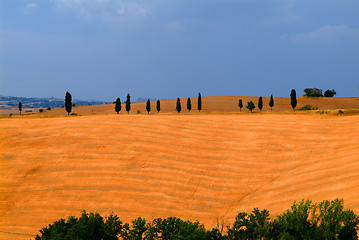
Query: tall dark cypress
[[293, 99], [128, 103], [118, 105], [271, 102], [158, 106], [240, 105], [199, 102], [20, 107], [178, 105], [148, 106], [260, 103], [68, 103], [189, 104]]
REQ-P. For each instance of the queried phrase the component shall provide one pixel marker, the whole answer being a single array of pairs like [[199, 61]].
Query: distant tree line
[[315, 92], [158, 104], [250, 105], [305, 220]]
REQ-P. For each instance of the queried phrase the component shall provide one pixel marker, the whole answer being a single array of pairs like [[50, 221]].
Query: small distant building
[[313, 92]]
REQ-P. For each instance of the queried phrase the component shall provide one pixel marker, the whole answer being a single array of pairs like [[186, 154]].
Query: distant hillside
[[9, 102], [219, 104], [212, 104]]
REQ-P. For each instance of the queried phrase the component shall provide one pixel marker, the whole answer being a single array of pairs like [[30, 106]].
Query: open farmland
[[212, 104], [206, 167]]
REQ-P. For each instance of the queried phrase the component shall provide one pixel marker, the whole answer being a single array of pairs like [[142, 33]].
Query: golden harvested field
[[206, 167], [209, 105]]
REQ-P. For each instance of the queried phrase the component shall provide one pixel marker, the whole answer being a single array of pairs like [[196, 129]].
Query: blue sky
[[103, 49]]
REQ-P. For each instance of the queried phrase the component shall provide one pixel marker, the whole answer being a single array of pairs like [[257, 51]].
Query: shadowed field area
[[206, 167]]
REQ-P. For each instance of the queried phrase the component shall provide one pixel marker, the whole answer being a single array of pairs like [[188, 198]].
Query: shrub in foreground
[[305, 220]]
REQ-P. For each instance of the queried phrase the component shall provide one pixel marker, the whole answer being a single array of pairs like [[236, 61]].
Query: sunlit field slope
[[209, 104], [198, 167]]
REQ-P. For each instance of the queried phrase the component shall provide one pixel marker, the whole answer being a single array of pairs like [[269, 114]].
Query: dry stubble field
[[206, 167]]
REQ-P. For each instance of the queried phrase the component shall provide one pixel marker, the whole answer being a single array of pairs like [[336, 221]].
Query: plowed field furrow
[[198, 167]]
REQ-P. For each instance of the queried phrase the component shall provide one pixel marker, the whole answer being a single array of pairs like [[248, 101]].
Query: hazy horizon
[[101, 50]]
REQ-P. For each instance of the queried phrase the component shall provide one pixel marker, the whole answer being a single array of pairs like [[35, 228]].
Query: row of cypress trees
[[250, 105], [158, 104]]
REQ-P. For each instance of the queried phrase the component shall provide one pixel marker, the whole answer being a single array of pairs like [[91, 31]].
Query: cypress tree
[[118, 105], [68, 103], [158, 106], [20, 107], [240, 105], [178, 105], [199, 102], [271, 102], [148, 106], [260, 103], [128, 103], [189, 104], [293, 99], [250, 106]]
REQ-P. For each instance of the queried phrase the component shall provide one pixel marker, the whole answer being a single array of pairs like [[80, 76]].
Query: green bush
[[326, 220], [307, 107], [304, 220], [330, 93]]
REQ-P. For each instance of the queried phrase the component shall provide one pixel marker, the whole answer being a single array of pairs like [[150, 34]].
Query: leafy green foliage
[[293, 99], [189, 104], [178, 105], [240, 105], [199, 102], [330, 93], [326, 220], [128, 103], [118, 105], [88, 226], [271, 102], [313, 92], [260, 103], [307, 107], [175, 228], [158, 106], [138, 229], [256, 225], [148, 106], [68, 103], [250, 106], [305, 220]]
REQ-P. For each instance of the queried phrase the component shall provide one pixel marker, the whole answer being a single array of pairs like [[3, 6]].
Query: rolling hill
[[216, 104], [194, 166]]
